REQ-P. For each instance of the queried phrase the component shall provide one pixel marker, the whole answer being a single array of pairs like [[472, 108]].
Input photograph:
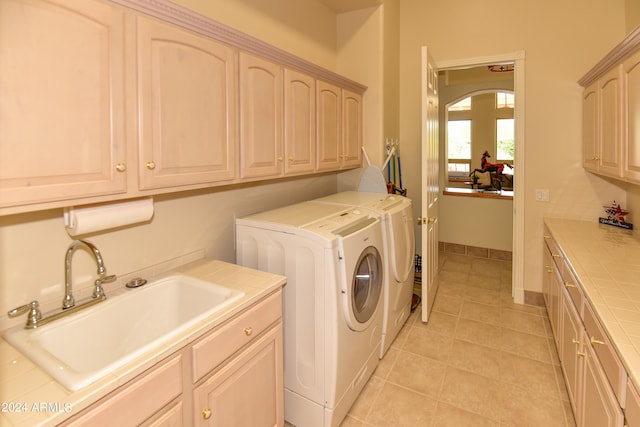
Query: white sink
[[81, 348]]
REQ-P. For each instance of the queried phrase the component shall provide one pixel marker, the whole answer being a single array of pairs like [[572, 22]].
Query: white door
[[430, 184]]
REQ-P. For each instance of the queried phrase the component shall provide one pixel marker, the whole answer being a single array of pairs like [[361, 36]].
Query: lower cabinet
[[599, 406], [242, 393], [231, 376], [571, 350], [593, 382]]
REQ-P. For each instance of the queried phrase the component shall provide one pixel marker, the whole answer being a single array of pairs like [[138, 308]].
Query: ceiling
[[341, 6]]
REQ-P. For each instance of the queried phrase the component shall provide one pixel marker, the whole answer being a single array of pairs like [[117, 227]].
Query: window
[[459, 147], [482, 121], [463, 105], [504, 139], [504, 100]]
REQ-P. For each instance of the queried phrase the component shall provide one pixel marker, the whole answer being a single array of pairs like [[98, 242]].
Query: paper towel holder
[[93, 218]]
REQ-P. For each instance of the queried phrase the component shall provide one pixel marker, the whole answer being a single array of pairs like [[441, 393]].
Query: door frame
[[518, 59]]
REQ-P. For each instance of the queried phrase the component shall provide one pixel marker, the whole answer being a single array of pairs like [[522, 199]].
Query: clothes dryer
[[332, 258], [396, 215]]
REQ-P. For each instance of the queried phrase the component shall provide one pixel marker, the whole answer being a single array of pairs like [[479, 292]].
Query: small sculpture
[[491, 167]]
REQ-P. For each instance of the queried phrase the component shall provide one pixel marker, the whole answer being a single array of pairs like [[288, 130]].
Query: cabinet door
[[62, 102], [351, 129], [247, 392], [599, 406], [261, 109], [631, 156], [299, 122], [590, 128], [187, 104], [555, 306], [329, 115], [571, 347], [610, 87]]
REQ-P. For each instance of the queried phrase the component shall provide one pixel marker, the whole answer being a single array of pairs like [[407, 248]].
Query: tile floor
[[480, 361]]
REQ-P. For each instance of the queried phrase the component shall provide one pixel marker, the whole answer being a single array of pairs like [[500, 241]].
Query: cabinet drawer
[[159, 387], [214, 348], [572, 286], [553, 248], [606, 353]]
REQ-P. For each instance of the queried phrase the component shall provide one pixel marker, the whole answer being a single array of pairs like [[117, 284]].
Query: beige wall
[[561, 41]]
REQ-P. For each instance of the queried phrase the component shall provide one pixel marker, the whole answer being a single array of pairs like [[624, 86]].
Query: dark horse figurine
[[491, 167]]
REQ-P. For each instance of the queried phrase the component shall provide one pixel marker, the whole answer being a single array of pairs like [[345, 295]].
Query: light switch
[[542, 195]]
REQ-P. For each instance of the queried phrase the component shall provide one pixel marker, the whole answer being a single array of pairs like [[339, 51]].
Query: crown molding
[[193, 21], [629, 45]]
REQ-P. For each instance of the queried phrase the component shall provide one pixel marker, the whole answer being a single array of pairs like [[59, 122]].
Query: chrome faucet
[[68, 300]]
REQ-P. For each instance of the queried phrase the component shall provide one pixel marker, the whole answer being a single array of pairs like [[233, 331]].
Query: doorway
[[518, 61]]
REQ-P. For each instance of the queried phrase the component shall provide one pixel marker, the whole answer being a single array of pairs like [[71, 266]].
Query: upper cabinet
[[186, 101], [351, 129], [611, 111], [339, 127], [631, 79], [261, 110], [602, 124], [62, 104], [140, 97], [299, 122]]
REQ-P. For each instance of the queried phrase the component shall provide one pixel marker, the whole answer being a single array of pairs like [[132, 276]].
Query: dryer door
[[363, 294], [402, 243]]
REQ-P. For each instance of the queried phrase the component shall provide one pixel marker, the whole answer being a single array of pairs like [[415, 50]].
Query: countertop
[[30, 397], [606, 262]]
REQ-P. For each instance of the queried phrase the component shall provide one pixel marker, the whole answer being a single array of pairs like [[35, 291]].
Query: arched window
[[478, 122]]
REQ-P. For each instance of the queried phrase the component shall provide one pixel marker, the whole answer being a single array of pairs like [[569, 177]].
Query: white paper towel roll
[[103, 217]]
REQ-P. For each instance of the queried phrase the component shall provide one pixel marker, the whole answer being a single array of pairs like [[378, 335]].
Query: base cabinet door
[[571, 349], [599, 407], [248, 391]]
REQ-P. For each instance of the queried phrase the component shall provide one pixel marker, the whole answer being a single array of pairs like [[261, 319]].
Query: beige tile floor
[[480, 361]]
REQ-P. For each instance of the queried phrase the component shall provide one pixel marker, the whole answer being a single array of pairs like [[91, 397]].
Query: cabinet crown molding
[[191, 20], [630, 44]]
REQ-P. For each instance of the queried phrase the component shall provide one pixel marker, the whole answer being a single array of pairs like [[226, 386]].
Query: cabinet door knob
[[569, 285], [575, 341], [206, 414], [248, 330], [151, 165], [121, 167], [594, 340]]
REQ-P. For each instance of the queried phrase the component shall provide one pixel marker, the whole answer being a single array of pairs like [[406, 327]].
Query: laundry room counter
[[606, 262], [30, 397]]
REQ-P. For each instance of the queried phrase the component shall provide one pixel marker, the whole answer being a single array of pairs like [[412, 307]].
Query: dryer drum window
[[367, 285]]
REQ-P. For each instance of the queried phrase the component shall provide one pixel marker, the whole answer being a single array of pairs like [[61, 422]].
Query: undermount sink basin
[[81, 348]]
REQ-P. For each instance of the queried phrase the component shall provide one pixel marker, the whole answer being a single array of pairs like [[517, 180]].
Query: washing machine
[[332, 320], [396, 216]]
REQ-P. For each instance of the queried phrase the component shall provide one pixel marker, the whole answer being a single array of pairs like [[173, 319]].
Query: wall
[[561, 43], [32, 246]]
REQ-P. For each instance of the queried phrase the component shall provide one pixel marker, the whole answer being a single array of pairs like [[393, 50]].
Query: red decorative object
[[615, 216], [504, 68]]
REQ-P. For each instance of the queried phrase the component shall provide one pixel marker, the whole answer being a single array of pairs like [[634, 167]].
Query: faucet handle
[[32, 317], [98, 291]]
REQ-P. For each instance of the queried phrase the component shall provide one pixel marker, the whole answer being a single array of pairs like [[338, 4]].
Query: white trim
[[517, 58]]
